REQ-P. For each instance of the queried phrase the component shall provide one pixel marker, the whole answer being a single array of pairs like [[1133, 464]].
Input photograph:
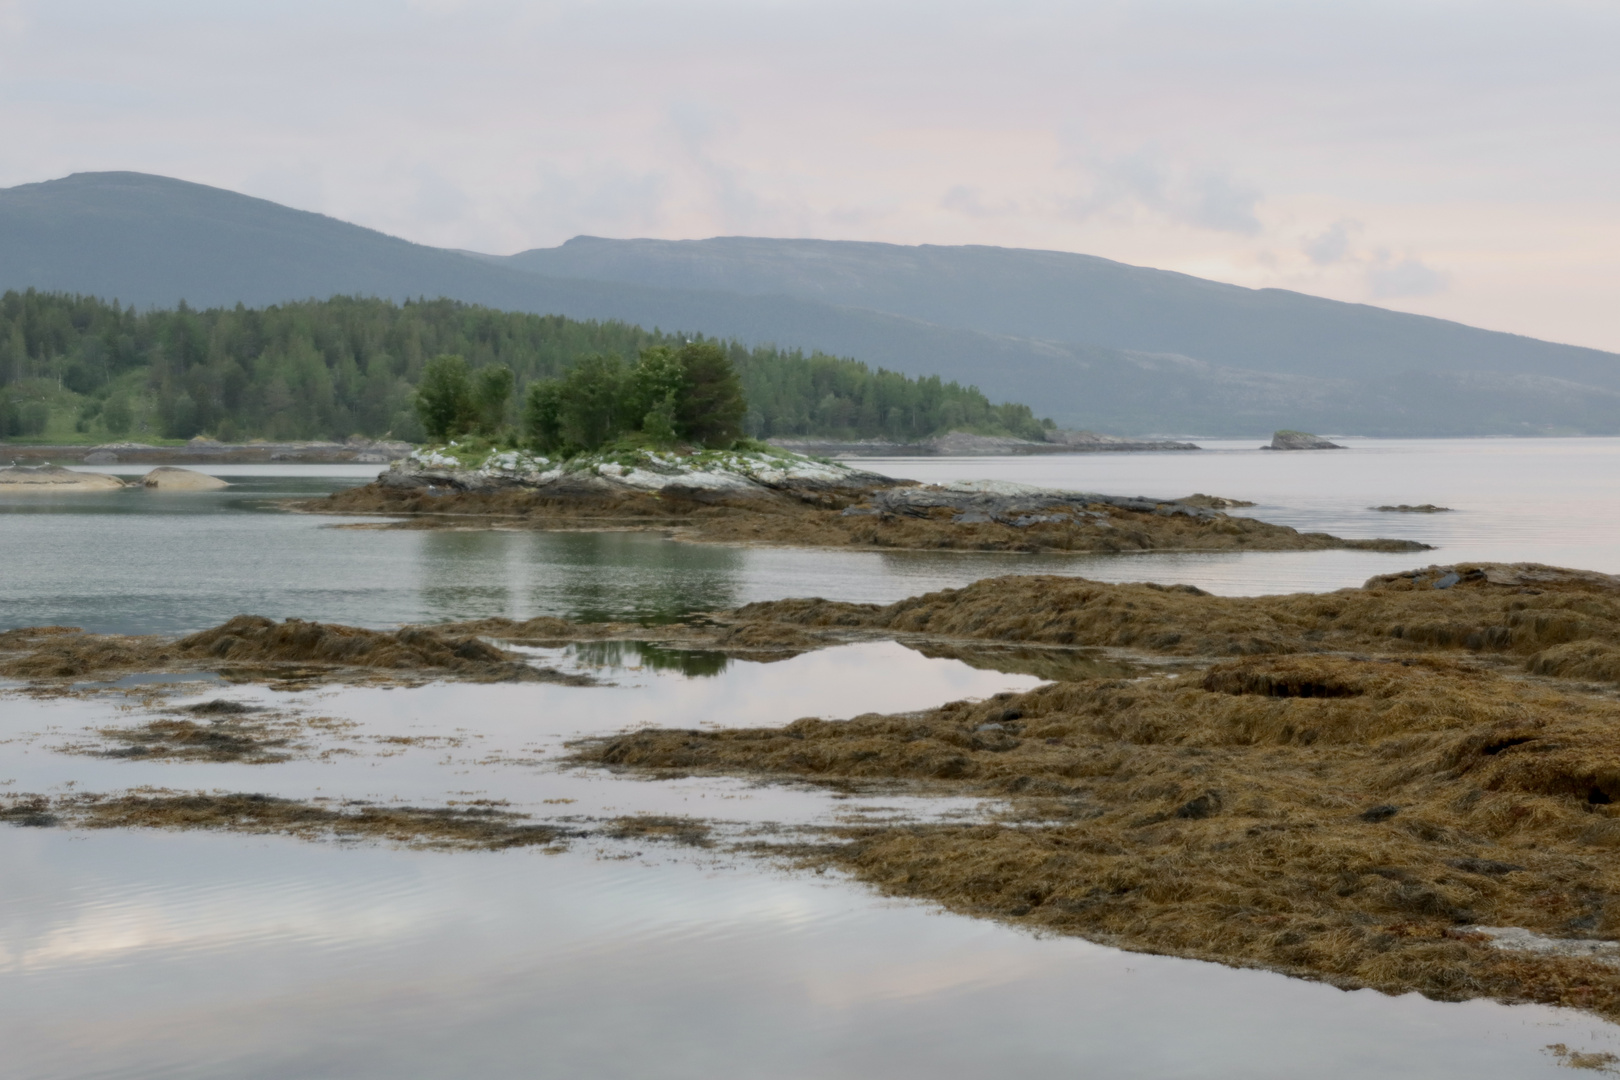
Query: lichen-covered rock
[[742, 473]]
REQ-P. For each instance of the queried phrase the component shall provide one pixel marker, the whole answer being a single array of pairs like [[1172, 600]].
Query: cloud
[[1184, 193], [438, 199], [1332, 246], [1218, 202], [970, 202], [1409, 277]]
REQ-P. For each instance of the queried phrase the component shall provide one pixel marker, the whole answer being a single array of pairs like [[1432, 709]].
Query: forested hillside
[[77, 368]]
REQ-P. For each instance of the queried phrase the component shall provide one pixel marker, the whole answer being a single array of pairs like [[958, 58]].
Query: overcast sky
[[1455, 159]]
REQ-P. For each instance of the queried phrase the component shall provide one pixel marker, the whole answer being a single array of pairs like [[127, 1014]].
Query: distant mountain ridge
[[1090, 342], [1060, 296]]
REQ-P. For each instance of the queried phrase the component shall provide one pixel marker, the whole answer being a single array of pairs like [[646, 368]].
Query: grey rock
[[1018, 505], [1300, 440], [1448, 581]]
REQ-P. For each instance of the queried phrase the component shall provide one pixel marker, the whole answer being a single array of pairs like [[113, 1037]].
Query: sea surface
[[154, 954], [138, 561]]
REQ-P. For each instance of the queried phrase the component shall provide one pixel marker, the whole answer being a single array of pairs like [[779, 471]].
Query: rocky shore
[[776, 497], [53, 479], [1412, 785], [1408, 786], [202, 451]]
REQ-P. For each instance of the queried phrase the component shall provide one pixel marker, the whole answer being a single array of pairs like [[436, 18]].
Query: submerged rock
[[1425, 508], [1019, 505], [1300, 440], [49, 478], [169, 478]]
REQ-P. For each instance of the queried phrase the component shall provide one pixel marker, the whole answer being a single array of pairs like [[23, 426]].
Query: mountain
[[1089, 342], [1059, 296]]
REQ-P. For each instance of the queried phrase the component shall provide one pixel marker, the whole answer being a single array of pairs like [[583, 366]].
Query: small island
[[657, 446], [1300, 440]]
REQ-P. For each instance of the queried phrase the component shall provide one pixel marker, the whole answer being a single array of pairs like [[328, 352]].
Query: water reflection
[[1054, 665], [137, 562], [206, 956], [591, 577], [644, 655]]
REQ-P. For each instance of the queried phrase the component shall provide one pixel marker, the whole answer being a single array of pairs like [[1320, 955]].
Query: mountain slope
[[1088, 342], [1065, 297]]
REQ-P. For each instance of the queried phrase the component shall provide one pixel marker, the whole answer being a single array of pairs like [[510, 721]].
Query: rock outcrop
[[208, 452], [1300, 440], [704, 476], [968, 444], [45, 479], [169, 478], [756, 497]]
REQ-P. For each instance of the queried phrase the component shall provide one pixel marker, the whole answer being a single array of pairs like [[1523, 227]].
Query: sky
[[1447, 158]]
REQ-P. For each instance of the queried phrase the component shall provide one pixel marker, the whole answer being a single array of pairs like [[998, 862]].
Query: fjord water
[[136, 561], [146, 954]]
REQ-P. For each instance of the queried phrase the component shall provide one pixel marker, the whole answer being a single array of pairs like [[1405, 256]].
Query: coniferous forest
[[80, 369]]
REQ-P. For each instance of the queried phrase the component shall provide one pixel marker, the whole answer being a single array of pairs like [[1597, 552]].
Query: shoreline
[[784, 499], [1410, 786], [355, 451]]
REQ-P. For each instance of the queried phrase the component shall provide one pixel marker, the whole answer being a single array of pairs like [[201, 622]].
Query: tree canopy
[[80, 368]]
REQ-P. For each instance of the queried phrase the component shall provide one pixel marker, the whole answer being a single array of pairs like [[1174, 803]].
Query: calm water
[[127, 954], [133, 560]]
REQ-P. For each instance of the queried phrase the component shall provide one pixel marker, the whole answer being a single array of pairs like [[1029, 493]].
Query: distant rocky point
[[46, 479], [1426, 508], [200, 451], [967, 444], [1300, 440]]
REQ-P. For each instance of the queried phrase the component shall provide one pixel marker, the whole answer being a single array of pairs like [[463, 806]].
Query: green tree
[[592, 402], [542, 415], [658, 423], [492, 391], [327, 369], [710, 411], [116, 415], [444, 397]]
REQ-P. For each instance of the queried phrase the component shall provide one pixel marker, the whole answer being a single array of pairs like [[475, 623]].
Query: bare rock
[[169, 478], [1300, 440], [52, 478]]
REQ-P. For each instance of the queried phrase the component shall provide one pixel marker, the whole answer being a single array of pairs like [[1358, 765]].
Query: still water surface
[[128, 954]]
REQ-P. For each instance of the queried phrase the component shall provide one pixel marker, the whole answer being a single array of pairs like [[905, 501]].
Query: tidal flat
[[1356, 786], [179, 825]]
